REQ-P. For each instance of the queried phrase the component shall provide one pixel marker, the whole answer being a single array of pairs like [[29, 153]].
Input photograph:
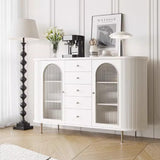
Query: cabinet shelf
[[101, 82], [52, 101], [107, 104], [52, 81]]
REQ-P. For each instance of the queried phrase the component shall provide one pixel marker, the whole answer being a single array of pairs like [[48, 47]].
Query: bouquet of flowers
[[54, 35]]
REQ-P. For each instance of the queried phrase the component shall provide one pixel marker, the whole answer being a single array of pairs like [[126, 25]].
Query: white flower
[[54, 34]]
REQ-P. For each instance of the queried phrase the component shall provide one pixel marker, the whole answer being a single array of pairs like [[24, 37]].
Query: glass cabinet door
[[106, 94], [52, 98]]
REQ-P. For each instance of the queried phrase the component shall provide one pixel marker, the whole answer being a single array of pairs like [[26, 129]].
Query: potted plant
[[54, 35]]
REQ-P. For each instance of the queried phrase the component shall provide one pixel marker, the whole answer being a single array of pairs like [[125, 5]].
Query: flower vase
[[55, 48]]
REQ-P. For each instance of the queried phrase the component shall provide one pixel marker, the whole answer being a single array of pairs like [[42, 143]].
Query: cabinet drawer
[[77, 77], [77, 102], [77, 117], [77, 90], [77, 65]]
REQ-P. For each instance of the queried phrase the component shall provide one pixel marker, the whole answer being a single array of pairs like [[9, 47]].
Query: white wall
[[74, 16]]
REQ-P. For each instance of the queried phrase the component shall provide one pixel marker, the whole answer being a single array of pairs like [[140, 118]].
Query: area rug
[[13, 152]]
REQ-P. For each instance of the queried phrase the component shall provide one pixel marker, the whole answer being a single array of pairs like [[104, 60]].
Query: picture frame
[[101, 27]]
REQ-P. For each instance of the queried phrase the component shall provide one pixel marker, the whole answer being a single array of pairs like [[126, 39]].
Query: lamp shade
[[24, 28], [120, 35]]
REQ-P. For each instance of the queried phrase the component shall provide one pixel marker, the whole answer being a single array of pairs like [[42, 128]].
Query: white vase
[[93, 50]]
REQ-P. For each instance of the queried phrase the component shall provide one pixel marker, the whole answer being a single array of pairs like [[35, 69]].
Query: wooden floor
[[75, 145]]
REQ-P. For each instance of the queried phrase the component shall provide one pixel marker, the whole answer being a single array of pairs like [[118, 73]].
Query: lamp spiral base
[[23, 125]]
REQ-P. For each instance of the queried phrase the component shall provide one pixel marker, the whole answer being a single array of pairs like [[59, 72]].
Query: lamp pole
[[23, 124]]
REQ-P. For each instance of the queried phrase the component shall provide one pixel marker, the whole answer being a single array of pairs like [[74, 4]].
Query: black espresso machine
[[75, 45]]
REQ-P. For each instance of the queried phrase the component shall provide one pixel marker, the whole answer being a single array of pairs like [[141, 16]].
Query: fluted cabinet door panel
[[128, 94], [133, 94], [141, 94]]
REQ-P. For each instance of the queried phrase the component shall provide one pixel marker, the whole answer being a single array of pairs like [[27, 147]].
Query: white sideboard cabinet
[[101, 93]]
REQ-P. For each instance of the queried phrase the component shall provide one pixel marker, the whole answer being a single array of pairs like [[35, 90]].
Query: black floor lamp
[[24, 28]]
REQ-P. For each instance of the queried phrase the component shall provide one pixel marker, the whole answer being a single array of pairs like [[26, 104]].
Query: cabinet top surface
[[92, 58]]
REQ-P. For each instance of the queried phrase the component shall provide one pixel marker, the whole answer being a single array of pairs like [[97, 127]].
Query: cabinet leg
[[135, 134], [41, 128], [122, 136]]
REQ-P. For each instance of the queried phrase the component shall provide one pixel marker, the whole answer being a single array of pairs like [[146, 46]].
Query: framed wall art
[[102, 27]]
